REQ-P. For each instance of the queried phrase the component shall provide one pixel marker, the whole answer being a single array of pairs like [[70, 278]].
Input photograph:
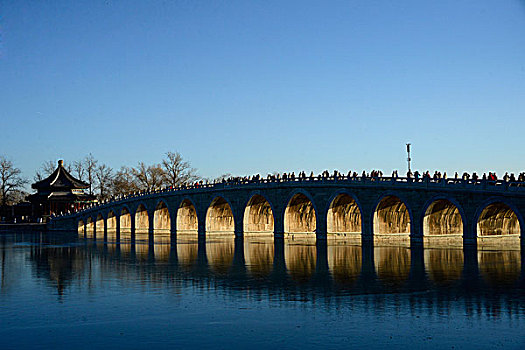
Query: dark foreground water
[[61, 292]]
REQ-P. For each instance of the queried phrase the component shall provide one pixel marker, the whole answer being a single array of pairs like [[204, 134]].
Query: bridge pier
[[416, 234], [117, 228], [367, 237], [132, 234], [105, 222], [173, 228], [201, 225], [151, 227], [278, 227], [470, 234]]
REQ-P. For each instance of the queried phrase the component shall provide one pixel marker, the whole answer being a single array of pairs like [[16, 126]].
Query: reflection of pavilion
[[59, 265]]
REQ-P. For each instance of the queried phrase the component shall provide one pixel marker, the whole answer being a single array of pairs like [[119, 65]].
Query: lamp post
[[408, 158]]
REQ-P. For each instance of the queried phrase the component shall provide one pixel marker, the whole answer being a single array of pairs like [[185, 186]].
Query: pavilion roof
[[60, 179]]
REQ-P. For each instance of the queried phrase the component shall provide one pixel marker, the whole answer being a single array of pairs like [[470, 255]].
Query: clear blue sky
[[248, 87]]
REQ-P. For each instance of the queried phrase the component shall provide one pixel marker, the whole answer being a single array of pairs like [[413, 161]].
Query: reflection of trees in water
[[392, 264], [57, 265], [300, 261], [220, 254], [500, 268], [344, 263], [444, 265], [259, 257]]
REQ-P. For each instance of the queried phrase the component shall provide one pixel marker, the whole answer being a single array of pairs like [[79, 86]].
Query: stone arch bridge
[[446, 212]]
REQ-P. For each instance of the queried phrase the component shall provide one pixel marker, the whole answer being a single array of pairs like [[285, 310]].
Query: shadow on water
[[281, 269]]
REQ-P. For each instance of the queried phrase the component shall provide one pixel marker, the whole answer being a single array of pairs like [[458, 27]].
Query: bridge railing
[[422, 182]]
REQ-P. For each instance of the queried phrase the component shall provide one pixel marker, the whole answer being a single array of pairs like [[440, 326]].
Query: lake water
[[59, 292]]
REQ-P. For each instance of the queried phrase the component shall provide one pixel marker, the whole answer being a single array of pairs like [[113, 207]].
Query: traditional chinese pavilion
[[59, 193]]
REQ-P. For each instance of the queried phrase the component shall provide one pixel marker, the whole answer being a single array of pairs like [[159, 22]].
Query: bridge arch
[[300, 214], [161, 217], [392, 215], [125, 220], [498, 217], [80, 227], [141, 219], [219, 217], [442, 215], [258, 215], [111, 221], [90, 227], [187, 219], [99, 226], [344, 213]]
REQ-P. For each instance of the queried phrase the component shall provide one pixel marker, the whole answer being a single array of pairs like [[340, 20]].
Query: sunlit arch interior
[[125, 222], [81, 228], [90, 227], [161, 218], [300, 216], [141, 220], [442, 217], [99, 224], [111, 224], [258, 216], [498, 219], [344, 215], [219, 217], [187, 221], [391, 216]]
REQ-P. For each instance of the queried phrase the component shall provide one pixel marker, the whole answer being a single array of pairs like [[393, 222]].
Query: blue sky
[[247, 87]]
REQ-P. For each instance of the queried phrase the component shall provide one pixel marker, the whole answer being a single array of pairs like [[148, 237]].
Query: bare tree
[[124, 182], [10, 180], [47, 168], [90, 167], [178, 171], [79, 170], [149, 177], [104, 176]]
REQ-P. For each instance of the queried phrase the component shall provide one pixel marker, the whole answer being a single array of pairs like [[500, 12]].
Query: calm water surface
[[62, 292]]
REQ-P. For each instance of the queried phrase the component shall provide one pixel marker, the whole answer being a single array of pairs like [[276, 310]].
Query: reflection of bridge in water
[[384, 210], [288, 270]]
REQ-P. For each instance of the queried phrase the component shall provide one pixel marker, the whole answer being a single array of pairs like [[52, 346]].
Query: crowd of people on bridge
[[373, 175]]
